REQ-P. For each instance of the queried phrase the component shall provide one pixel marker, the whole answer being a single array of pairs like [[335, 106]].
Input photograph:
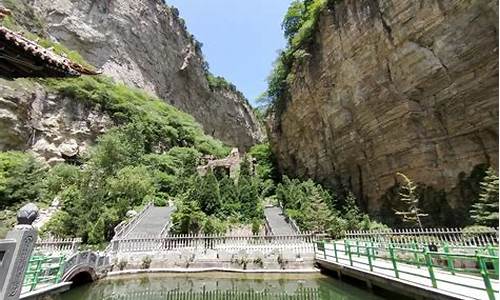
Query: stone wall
[[396, 86]]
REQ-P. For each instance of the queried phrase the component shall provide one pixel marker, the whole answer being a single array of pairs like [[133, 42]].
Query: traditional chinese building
[[21, 57]]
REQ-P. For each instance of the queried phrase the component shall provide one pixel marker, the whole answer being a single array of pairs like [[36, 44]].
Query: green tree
[[485, 210], [188, 218], [351, 212], [293, 19], [408, 196], [318, 216], [205, 191]]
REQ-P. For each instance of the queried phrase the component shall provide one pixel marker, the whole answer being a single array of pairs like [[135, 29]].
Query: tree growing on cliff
[[485, 210], [409, 197]]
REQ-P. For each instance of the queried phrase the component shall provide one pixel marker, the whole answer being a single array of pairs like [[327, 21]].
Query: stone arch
[[80, 274]]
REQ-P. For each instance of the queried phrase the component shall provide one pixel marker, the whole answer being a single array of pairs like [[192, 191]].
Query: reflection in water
[[217, 286]]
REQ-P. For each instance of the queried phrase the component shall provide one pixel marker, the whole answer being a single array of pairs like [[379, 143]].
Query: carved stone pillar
[[15, 253]]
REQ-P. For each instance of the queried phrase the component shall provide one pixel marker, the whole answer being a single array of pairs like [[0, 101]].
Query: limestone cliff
[[395, 86], [53, 126], [145, 44]]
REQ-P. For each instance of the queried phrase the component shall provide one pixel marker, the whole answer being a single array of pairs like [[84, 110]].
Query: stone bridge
[[83, 267]]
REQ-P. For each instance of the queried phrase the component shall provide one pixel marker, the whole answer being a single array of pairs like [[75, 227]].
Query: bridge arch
[[80, 274]]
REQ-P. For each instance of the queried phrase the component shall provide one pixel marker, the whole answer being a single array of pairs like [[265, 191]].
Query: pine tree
[[352, 214], [409, 197], [485, 210], [209, 197], [318, 216]]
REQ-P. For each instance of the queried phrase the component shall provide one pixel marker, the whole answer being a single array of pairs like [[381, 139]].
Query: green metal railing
[[43, 270], [483, 261]]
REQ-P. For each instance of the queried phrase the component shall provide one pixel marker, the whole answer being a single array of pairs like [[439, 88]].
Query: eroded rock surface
[[394, 86], [145, 44], [53, 126]]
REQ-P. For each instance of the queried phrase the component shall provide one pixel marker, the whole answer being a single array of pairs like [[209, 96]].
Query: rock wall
[[145, 44], [54, 127], [395, 86]]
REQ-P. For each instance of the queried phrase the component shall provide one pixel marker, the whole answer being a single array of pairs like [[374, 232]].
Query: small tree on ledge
[[409, 197]]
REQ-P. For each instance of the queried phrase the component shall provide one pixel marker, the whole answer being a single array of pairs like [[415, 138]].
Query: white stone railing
[[300, 242], [437, 236], [58, 245], [124, 226]]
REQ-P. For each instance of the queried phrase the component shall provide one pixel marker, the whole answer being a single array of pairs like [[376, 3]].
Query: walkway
[[276, 220], [152, 223], [411, 278]]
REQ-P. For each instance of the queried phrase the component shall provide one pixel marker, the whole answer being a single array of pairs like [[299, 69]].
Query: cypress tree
[[485, 210]]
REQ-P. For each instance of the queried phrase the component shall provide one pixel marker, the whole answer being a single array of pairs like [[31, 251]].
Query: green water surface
[[217, 286]]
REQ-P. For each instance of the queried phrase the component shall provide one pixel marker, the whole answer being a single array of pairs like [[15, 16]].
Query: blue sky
[[240, 37]]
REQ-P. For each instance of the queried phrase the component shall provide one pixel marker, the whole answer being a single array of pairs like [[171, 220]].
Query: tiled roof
[[21, 57]]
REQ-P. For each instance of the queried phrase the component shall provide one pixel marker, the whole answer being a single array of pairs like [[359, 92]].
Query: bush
[[146, 262], [21, 178]]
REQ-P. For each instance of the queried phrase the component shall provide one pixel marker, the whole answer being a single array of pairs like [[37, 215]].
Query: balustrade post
[[428, 261], [393, 260], [369, 256], [449, 259], [335, 251], [348, 247], [19, 244], [491, 252], [484, 273]]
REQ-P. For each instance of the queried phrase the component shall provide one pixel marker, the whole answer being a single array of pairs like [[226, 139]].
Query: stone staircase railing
[[125, 226]]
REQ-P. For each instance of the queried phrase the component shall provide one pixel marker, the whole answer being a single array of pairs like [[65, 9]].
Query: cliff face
[[395, 86], [145, 44], [53, 126]]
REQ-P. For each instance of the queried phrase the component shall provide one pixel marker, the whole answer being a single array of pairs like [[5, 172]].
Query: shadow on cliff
[[449, 209]]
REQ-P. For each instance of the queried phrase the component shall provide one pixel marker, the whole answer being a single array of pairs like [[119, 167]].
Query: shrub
[[146, 262], [122, 264], [21, 178]]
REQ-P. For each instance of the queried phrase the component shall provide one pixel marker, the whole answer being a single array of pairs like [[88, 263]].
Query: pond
[[217, 286]]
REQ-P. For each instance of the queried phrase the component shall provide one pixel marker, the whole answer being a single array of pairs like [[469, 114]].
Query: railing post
[[357, 247], [373, 250], [393, 259], [35, 276], [428, 261], [61, 269], [415, 254], [451, 266], [486, 277], [369, 256], [348, 247], [335, 251], [491, 252]]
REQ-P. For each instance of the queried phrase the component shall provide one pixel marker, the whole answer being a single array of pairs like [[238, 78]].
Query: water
[[209, 286]]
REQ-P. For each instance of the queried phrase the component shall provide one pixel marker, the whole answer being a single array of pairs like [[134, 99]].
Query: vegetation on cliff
[[299, 26]]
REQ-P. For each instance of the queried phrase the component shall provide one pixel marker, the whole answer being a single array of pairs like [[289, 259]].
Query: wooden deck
[[413, 281]]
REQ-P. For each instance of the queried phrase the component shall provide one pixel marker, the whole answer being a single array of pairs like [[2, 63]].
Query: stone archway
[[79, 275]]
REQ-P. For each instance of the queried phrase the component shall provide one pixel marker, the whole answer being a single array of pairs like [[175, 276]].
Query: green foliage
[[299, 25], [21, 178], [265, 161], [161, 125], [316, 209], [146, 262], [485, 210], [188, 218]]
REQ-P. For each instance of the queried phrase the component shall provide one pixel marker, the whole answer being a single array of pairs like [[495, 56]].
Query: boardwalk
[[458, 286], [277, 222], [152, 223]]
